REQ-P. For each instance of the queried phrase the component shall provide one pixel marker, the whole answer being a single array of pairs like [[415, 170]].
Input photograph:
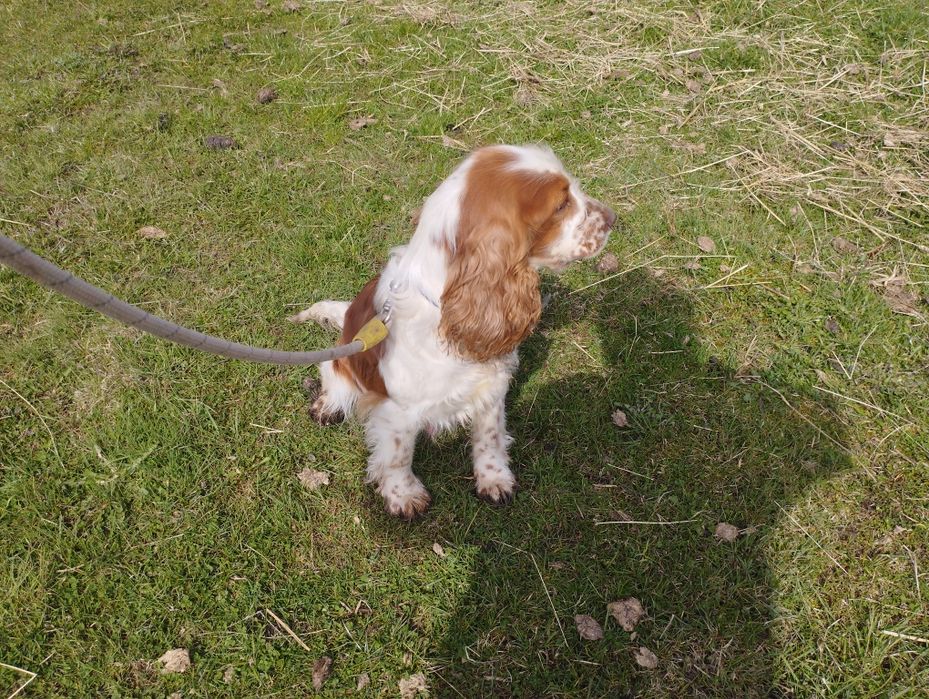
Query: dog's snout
[[610, 217], [601, 211]]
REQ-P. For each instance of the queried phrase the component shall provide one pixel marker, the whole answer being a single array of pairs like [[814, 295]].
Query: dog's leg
[[489, 442], [330, 313], [333, 396], [391, 437]]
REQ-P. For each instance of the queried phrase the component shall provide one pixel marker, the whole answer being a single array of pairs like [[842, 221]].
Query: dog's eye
[[564, 205]]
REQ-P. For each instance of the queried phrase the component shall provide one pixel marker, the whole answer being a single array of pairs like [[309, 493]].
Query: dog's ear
[[491, 299]]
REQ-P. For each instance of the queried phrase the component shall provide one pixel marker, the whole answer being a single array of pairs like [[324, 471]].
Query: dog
[[461, 296]]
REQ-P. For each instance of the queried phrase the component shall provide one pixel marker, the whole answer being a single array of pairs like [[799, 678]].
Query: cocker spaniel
[[461, 296]]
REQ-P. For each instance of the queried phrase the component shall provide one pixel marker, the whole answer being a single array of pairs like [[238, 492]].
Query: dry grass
[[792, 149]]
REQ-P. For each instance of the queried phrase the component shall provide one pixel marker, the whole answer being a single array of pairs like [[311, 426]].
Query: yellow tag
[[371, 333]]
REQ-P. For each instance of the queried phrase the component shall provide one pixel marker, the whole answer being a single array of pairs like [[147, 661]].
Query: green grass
[[148, 494]]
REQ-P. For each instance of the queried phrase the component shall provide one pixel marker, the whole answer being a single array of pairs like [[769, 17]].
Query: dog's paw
[[326, 313], [407, 501], [311, 313], [496, 487], [324, 416]]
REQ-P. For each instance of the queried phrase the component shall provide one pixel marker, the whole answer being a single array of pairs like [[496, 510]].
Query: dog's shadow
[[706, 442]]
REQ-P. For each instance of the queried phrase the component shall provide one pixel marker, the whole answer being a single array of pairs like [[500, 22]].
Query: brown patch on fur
[[491, 299], [562, 205], [362, 368]]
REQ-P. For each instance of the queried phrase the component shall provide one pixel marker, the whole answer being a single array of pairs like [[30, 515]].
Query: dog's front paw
[[407, 500], [498, 487]]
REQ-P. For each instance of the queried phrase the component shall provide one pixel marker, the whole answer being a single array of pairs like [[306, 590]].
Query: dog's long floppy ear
[[491, 299]]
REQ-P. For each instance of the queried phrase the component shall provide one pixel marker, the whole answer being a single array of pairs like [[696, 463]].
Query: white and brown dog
[[462, 295]]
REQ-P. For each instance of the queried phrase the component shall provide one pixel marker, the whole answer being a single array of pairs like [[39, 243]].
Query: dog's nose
[[610, 217]]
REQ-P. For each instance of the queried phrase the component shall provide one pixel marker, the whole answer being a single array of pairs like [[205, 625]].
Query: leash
[[53, 277]]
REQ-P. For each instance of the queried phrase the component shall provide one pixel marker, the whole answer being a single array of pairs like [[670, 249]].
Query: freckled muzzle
[[595, 228]]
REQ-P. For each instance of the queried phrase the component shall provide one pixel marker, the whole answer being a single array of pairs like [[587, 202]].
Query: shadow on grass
[[707, 442]]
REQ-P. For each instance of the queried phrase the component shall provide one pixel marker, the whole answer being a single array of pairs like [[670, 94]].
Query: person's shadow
[[706, 443]]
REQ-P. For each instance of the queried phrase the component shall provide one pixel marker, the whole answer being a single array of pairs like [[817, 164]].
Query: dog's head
[[519, 210]]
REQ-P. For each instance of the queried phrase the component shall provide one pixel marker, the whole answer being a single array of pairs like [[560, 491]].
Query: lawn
[[764, 331]]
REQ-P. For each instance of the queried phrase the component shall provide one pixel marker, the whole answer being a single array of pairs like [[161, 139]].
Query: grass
[[148, 494]]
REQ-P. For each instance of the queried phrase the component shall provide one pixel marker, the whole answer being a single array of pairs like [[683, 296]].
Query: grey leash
[[45, 273]]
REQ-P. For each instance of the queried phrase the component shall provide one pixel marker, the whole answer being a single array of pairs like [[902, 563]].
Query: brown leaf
[[832, 326], [901, 300], [151, 233], [363, 681], [706, 244], [235, 48], [692, 148], [438, 550], [588, 627], [645, 658], [313, 480], [846, 247], [261, 4], [693, 85], [608, 263], [176, 660], [619, 74], [726, 532], [412, 686], [525, 95], [291, 5], [220, 142], [229, 675], [627, 612], [360, 122], [897, 295], [321, 670], [455, 144], [620, 419], [221, 86], [900, 137], [692, 265], [888, 539], [266, 94]]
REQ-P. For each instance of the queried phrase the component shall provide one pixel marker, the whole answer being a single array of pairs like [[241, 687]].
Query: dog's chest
[[444, 390]]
